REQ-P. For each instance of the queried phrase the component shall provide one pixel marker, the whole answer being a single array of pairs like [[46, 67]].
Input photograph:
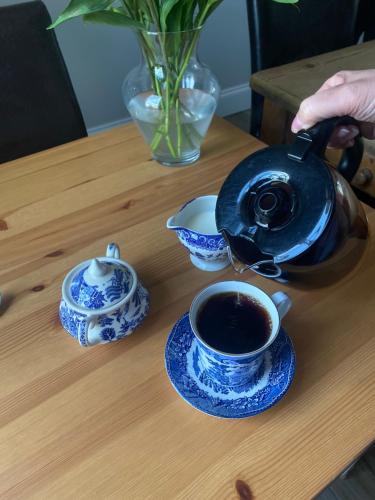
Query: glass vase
[[171, 96]]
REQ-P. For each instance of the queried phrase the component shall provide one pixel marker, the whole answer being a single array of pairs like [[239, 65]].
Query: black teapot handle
[[316, 138]]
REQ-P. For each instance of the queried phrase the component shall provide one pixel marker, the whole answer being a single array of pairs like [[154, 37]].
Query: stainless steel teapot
[[289, 216]]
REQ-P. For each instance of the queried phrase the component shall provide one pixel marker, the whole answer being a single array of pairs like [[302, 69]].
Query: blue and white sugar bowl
[[196, 229], [102, 299]]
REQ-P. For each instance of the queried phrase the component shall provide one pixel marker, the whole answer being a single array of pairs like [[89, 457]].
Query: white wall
[[98, 58]]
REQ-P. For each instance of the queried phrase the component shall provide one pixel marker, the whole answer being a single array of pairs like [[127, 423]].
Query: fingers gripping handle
[[316, 138]]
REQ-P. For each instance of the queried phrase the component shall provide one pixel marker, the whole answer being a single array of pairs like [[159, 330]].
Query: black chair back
[[38, 106], [366, 19], [282, 33]]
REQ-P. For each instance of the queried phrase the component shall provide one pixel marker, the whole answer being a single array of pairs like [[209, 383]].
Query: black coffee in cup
[[234, 323]]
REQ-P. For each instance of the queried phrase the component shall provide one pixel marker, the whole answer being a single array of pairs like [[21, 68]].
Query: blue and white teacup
[[196, 229], [237, 369]]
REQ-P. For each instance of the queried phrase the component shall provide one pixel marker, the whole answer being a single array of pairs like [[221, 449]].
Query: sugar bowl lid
[[101, 282]]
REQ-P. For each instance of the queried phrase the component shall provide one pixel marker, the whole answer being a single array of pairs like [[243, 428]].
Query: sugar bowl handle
[[282, 302], [113, 251], [83, 331]]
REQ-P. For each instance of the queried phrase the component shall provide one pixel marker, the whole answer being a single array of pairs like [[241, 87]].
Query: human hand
[[346, 93]]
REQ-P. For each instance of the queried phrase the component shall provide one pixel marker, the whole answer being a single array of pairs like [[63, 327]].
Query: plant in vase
[[171, 95]]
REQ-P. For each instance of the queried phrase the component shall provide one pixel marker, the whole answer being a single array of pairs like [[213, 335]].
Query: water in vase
[[175, 137]]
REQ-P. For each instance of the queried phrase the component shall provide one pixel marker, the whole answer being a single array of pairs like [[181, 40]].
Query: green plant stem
[[170, 99], [154, 14], [148, 56], [162, 42], [184, 65], [175, 103], [178, 126], [158, 135]]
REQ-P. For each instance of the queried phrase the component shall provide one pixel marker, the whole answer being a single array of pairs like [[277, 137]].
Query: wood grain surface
[[290, 83], [104, 422]]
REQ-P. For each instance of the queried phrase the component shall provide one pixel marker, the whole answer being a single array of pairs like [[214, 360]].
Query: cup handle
[[83, 331], [282, 302]]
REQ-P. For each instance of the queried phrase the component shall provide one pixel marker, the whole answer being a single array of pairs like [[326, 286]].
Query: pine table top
[[104, 422]]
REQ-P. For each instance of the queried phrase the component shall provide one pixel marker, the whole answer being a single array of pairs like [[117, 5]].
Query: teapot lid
[[277, 202], [100, 283]]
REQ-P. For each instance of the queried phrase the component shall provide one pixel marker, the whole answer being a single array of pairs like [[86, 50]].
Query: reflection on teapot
[[102, 299], [288, 216]]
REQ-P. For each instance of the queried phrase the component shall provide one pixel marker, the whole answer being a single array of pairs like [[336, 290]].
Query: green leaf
[[78, 8], [151, 6], [206, 9], [112, 16], [166, 8], [188, 14]]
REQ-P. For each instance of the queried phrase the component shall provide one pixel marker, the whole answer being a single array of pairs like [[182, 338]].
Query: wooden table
[[289, 84], [285, 87], [104, 422]]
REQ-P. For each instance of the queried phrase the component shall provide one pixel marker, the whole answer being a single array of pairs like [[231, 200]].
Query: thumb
[[335, 101]]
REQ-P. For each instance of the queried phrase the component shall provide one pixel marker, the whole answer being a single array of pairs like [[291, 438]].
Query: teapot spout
[[245, 250], [244, 254]]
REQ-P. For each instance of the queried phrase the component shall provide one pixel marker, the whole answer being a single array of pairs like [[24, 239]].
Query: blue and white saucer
[[194, 385]]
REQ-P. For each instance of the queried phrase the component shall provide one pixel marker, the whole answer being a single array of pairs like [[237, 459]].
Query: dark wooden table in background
[[285, 87]]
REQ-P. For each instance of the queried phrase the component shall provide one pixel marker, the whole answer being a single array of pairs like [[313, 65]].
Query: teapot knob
[[97, 268], [113, 251]]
